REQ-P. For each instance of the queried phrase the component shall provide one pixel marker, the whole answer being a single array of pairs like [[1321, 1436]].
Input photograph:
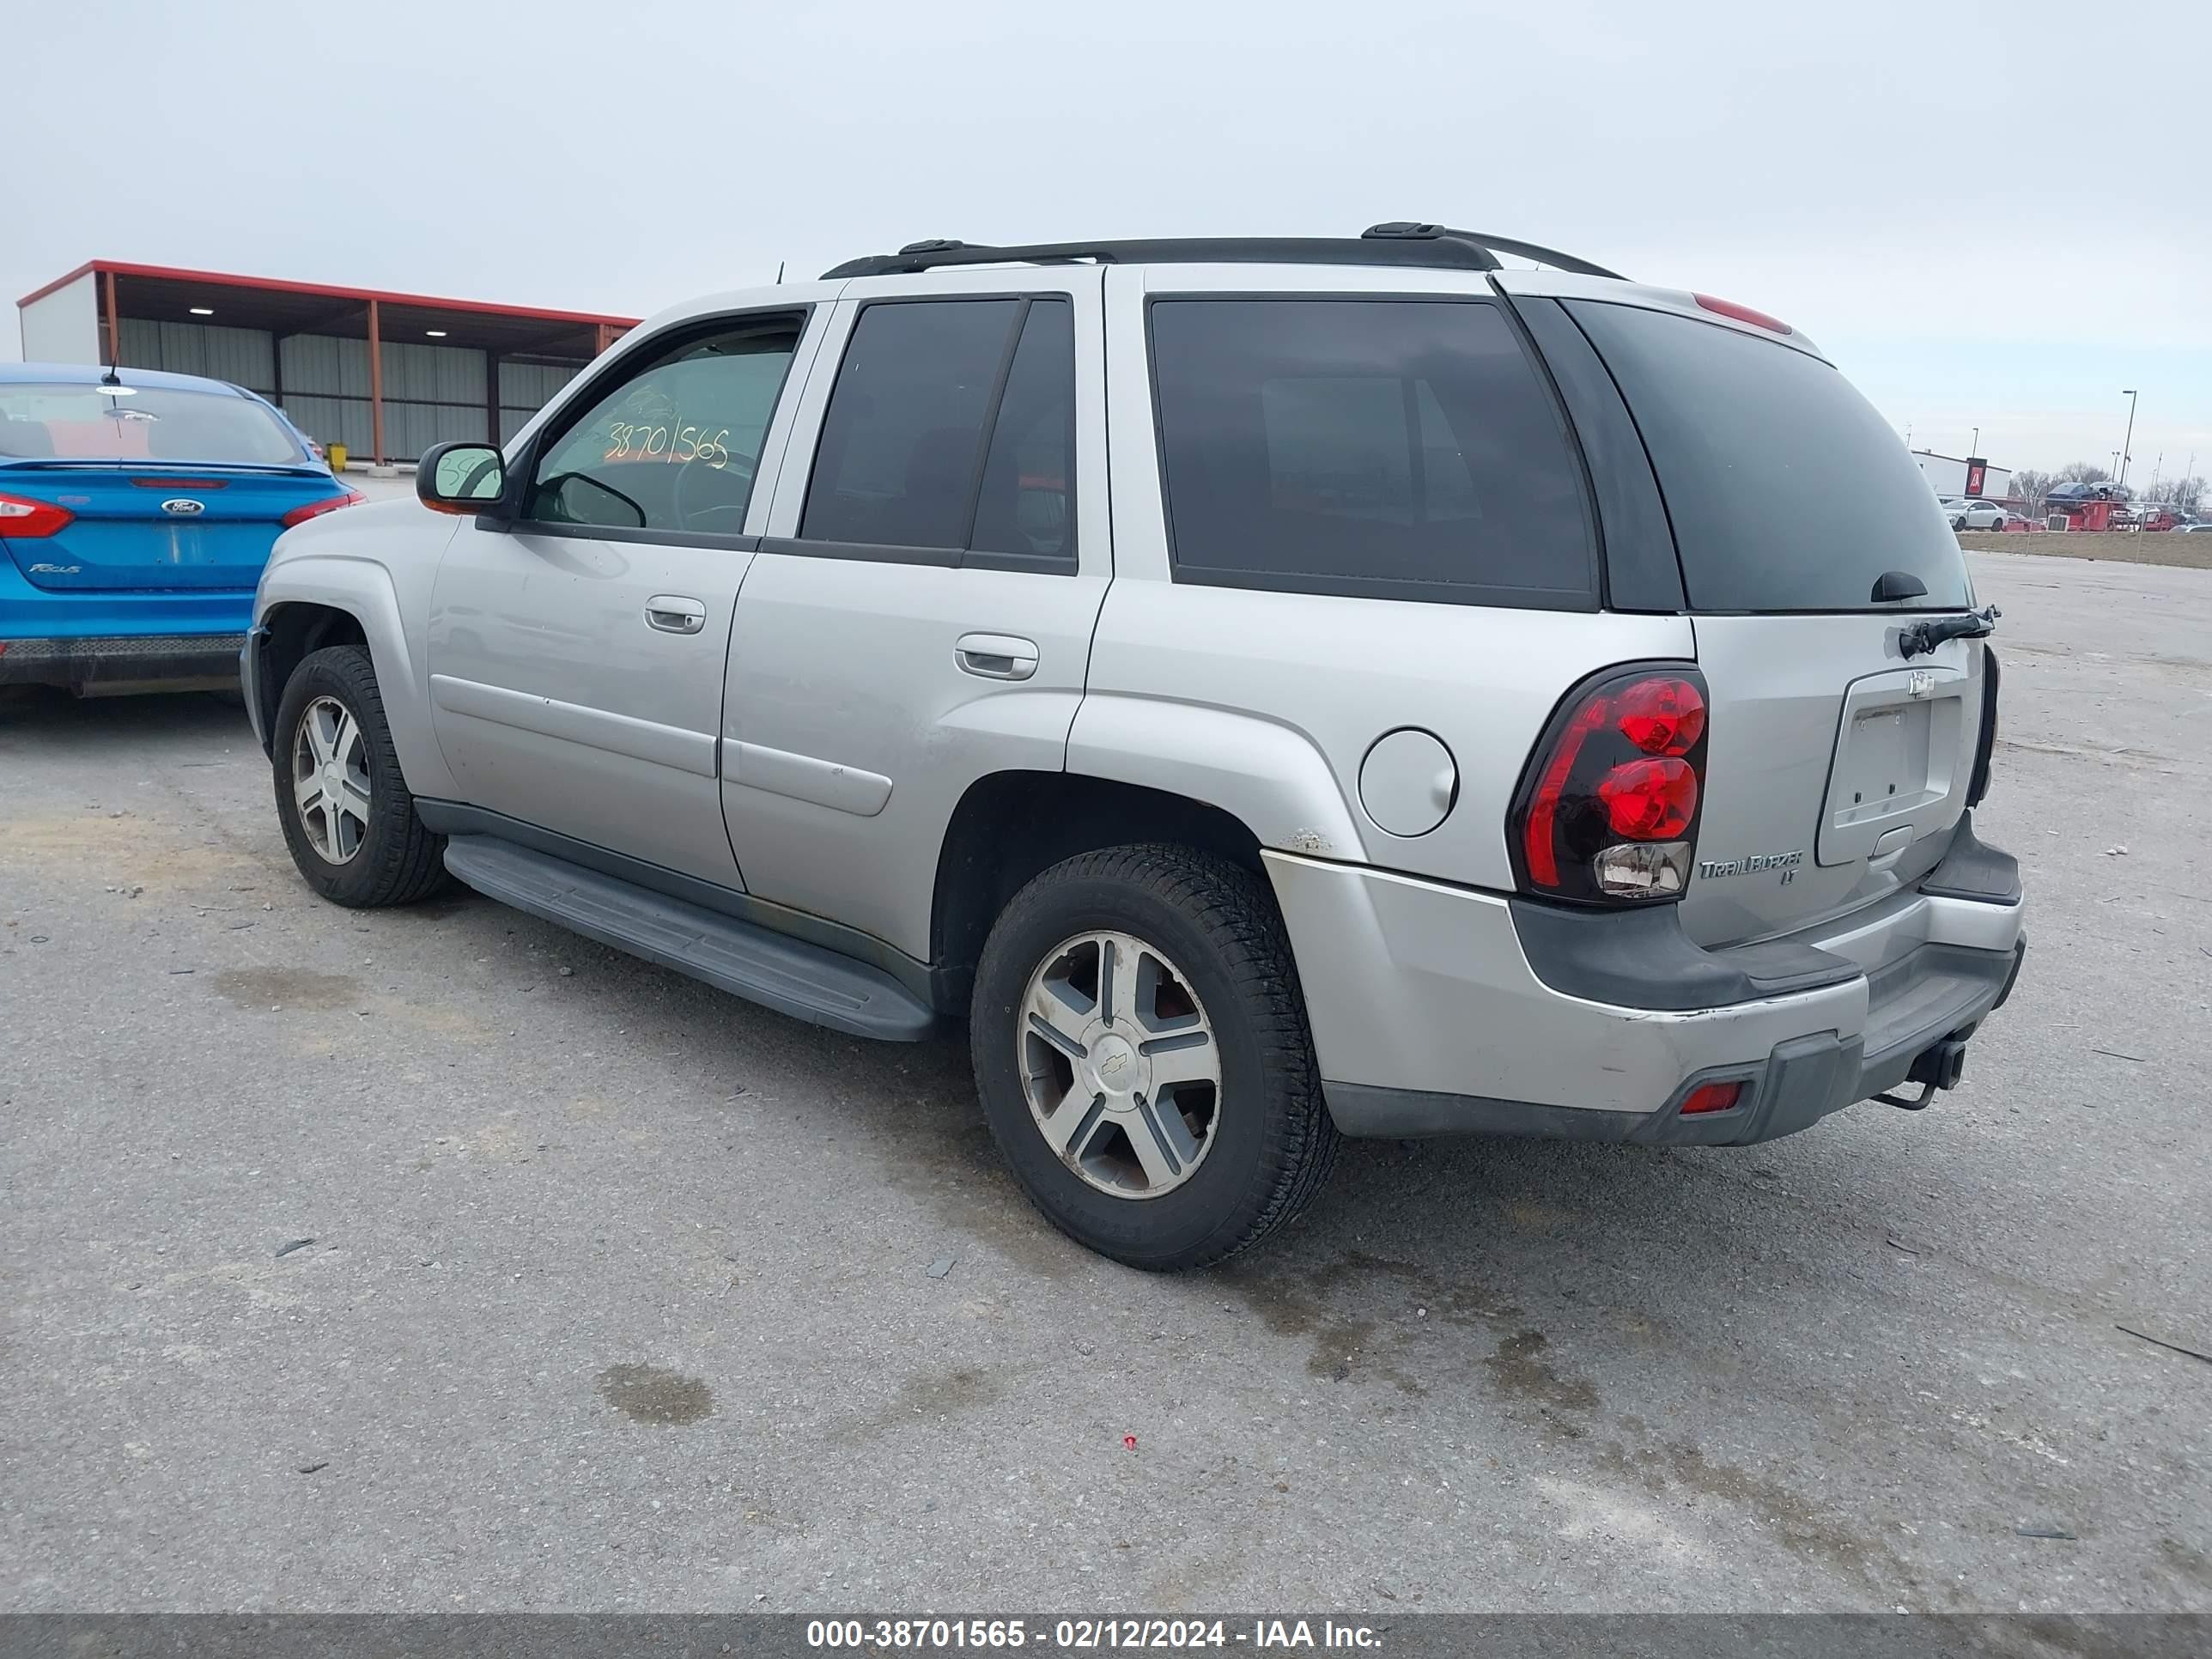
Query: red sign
[[1976, 471]]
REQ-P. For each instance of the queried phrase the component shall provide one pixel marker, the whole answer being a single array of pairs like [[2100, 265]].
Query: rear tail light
[[21, 519], [1607, 812], [316, 510]]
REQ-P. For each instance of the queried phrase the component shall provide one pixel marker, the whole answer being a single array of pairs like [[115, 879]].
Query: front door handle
[[996, 656], [671, 613]]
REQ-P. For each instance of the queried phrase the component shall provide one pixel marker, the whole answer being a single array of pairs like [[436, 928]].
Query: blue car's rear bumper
[[110, 638], [140, 660]]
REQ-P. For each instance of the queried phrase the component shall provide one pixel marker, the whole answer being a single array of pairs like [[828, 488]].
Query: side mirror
[[461, 477]]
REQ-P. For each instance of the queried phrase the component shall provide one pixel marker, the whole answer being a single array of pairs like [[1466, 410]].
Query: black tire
[[1273, 1143], [400, 860]]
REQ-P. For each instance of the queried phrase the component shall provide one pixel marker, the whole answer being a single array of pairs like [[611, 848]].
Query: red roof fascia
[[421, 301]]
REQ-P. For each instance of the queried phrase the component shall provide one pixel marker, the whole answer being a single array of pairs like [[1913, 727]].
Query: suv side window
[[1389, 448], [950, 430], [673, 445]]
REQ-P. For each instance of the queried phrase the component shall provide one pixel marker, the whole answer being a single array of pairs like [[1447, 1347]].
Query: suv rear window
[[1391, 448], [1787, 489]]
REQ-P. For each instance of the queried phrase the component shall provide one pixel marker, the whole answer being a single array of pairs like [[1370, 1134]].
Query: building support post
[[114, 323], [375, 384], [491, 397]]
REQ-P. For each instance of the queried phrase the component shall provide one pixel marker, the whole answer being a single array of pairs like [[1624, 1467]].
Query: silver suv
[[1268, 691]]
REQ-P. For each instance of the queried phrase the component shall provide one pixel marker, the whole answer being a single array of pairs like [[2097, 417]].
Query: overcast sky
[[1992, 214]]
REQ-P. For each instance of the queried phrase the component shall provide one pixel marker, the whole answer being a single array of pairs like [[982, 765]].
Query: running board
[[788, 975]]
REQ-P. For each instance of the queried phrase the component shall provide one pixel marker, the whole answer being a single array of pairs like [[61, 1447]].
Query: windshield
[[1728, 417], [151, 423]]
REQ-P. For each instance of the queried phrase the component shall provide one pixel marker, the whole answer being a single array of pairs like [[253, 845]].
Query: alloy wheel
[[330, 779], [1120, 1064]]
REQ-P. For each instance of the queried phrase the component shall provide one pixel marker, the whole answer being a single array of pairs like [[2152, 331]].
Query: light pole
[[1976, 443], [2130, 394]]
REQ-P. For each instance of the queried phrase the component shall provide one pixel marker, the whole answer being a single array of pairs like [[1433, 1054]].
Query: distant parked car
[[1981, 515], [136, 510], [2198, 529]]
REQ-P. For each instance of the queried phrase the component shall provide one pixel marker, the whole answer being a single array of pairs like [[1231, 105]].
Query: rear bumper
[[1441, 1011], [115, 661]]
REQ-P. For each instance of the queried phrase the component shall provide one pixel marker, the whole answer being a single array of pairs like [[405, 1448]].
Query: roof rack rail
[[1402, 230], [1398, 242]]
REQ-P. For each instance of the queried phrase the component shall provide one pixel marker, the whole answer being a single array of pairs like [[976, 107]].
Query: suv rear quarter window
[[1388, 448]]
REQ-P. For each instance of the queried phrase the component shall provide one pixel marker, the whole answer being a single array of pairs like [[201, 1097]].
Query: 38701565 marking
[[926, 1632]]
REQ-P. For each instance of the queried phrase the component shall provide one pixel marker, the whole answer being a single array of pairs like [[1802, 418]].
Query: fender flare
[[1270, 776], [363, 589]]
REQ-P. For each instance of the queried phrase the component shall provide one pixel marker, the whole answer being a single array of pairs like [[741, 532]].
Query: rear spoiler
[[305, 468]]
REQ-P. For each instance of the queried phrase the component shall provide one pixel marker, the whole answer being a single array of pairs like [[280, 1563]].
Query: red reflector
[[24, 520], [1742, 313], [1649, 799], [316, 510], [1663, 717], [1712, 1097]]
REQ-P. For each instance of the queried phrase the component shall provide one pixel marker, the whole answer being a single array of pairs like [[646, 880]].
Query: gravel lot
[[619, 1294]]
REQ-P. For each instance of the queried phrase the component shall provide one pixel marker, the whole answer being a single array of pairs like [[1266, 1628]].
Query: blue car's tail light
[[22, 520]]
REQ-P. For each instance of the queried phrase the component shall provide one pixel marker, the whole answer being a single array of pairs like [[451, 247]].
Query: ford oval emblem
[[183, 505]]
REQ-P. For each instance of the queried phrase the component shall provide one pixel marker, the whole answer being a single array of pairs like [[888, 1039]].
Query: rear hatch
[[1838, 767], [159, 488]]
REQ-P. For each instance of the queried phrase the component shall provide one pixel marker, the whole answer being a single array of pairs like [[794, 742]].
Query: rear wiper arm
[[1923, 637]]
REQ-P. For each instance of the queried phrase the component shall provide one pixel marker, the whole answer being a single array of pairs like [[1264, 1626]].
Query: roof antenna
[[779, 273]]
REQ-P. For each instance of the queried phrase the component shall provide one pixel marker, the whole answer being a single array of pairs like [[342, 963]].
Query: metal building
[[1949, 475], [386, 375]]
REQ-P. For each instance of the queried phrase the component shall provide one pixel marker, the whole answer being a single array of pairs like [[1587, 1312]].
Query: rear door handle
[[996, 656], [671, 613]]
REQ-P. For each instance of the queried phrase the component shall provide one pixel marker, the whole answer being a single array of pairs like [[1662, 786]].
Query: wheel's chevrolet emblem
[[1921, 684], [183, 505]]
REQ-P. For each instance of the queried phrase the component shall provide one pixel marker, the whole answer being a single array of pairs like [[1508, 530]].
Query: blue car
[[136, 510]]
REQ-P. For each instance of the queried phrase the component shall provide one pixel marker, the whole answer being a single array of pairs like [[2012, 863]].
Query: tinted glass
[[1401, 448], [1028, 500], [82, 423], [904, 431], [673, 447], [1729, 419]]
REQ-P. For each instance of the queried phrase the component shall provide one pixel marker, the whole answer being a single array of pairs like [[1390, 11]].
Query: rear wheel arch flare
[[1011, 826]]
